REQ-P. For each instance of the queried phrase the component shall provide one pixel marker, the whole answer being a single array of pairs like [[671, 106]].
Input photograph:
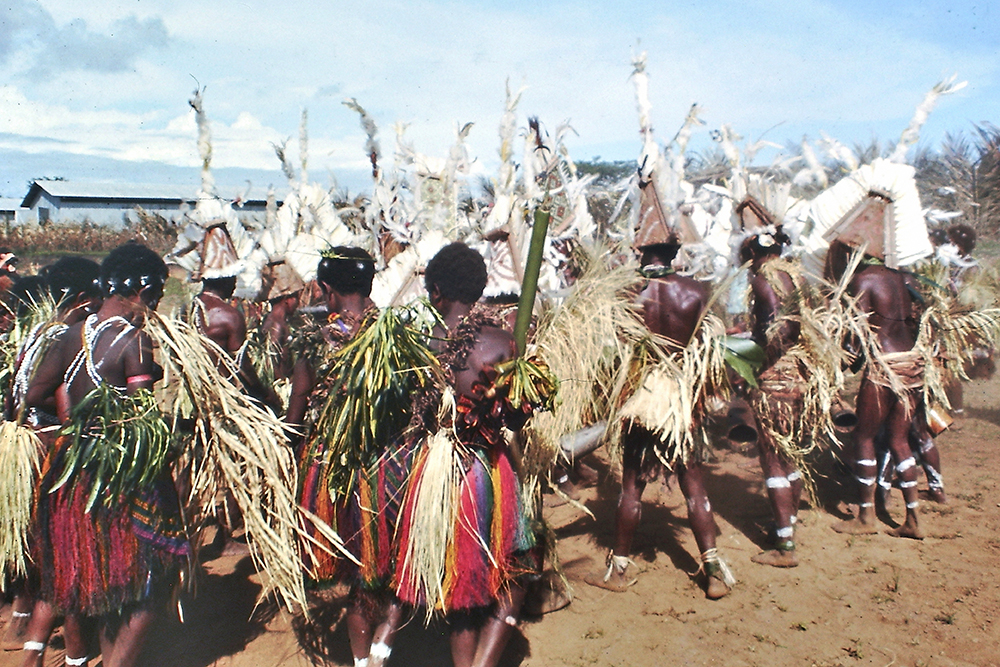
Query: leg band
[[794, 476], [906, 465], [380, 651], [37, 647], [908, 485], [76, 662], [793, 519], [926, 446], [21, 614], [777, 483], [913, 505], [865, 505], [867, 462], [785, 533], [934, 478], [563, 479], [867, 481], [361, 662]]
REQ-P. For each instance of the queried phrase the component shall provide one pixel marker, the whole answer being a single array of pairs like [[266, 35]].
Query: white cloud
[[811, 64]]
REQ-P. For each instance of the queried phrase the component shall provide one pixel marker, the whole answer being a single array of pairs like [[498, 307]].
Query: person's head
[[760, 247], [658, 253], [74, 282], [25, 294], [221, 287], [964, 237], [938, 236], [133, 270], [456, 273], [8, 261], [346, 270]]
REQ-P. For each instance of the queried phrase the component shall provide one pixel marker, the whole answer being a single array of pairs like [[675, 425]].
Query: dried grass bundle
[[238, 446], [20, 459]]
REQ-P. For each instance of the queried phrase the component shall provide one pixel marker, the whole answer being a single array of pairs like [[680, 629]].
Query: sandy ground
[[873, 600]]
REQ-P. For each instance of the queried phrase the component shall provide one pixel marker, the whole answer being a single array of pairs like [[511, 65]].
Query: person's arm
[[141, 372], [303, 383], [47, 378]]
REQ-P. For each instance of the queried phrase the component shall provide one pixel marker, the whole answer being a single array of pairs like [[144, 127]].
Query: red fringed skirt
[[365, 519], [491, 538], [95, 563]]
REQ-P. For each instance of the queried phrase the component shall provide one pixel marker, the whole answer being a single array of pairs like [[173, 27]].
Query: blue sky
[[100, 89]]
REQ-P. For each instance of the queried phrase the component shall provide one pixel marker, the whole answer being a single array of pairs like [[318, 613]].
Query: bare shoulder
[[495, 345]]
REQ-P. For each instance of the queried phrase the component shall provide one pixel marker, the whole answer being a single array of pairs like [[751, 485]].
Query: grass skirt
[[489, 540], [365, 519], [99, 562]]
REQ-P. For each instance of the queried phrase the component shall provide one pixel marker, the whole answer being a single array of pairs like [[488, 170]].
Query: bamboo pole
[[532, 267]]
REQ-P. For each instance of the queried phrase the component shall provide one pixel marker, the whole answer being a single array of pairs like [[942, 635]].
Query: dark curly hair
[[73, 279], [347, 270], [130, 268], [458, 272]]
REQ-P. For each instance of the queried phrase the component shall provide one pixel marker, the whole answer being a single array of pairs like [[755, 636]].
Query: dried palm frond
[[238, 446], [373, 380], [24, 346], [20, 459]]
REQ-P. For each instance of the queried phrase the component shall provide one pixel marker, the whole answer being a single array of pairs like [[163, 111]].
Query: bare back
[[672, 306], [493, 346], [882, 293]]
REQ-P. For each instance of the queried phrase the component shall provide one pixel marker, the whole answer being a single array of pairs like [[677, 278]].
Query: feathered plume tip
[[304, 145], [911, 134], [839, 152], [368, 125], [204, 143], [281, 150]]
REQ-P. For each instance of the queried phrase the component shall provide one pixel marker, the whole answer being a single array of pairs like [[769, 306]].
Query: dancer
[[672, 307], [890, 393], [107, 544], [365, 509], [776, 287], [474, 576]]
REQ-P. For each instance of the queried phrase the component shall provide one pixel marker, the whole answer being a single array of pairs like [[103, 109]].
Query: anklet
[[866, 505], [914, 505], [361, 662], [380, 651], [713, 566], [76, 662], [617, 564], [37, 647]]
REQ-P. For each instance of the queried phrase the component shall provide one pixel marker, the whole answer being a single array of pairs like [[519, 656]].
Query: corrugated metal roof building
[[108, 203]]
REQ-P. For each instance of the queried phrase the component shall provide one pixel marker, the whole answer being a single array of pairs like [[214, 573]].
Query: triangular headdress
[[218, 254]]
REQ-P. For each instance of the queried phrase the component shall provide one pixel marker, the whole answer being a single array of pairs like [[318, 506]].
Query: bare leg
[[627, 519], [899, 429], [702, 523], [463, 646], [76, 645], [43, 620], [784, 503], [127, 645], [873, 409], [359, 629], [930, 457], [495, 634], [385, 635], [17, 630]]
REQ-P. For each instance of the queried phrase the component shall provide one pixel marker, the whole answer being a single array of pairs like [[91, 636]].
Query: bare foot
[[776, 558], [715, 587], [617, 582], [912, 532], [936, 495], [855, 527]]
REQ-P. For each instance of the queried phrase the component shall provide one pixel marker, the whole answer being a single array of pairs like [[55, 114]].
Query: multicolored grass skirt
[[365, 519], [490, 540], [96, 563]]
